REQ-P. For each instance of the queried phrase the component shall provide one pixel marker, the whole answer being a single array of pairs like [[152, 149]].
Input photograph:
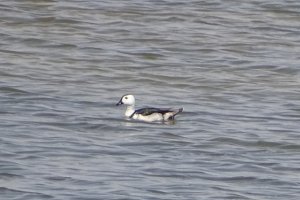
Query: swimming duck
[[146, 114]]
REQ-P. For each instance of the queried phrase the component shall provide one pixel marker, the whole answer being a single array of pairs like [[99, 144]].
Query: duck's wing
[[149, 111]]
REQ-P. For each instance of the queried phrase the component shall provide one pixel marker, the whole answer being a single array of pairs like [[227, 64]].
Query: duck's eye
[[126, 97]]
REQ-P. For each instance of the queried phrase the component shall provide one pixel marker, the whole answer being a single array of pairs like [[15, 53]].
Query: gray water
[[234, 66]]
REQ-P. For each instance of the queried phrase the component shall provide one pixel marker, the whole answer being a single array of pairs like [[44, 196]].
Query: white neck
[[129, 110]]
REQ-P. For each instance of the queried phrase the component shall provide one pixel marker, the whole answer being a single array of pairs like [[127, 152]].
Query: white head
[[127, 99]]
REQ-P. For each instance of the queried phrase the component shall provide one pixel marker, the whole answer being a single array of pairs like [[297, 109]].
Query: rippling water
[[233, 66]]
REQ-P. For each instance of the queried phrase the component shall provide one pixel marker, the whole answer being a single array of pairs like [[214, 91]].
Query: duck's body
[[147, 114]]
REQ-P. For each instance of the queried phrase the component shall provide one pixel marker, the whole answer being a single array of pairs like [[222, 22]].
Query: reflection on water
[[234, 67], [133, 123]]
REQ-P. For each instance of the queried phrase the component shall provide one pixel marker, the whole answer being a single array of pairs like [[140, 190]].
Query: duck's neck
[[129, 110]]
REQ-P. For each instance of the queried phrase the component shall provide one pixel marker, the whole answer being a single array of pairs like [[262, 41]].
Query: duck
[[147, 114]]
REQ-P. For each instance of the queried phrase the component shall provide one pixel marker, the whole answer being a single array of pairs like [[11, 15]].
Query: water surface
[[233, 66]]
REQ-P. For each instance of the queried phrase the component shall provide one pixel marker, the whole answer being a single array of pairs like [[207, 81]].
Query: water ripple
[[234, 68]]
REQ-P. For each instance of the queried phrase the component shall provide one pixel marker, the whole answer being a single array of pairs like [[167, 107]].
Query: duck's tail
[[171, 115], [178, 111]]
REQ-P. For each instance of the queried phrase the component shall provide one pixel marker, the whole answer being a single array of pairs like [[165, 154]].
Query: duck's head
[[127, 99]]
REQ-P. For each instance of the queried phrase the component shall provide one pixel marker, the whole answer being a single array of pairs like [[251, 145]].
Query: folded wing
[[149, 111]]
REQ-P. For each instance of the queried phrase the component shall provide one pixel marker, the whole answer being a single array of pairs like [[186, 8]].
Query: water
[[233, 66]]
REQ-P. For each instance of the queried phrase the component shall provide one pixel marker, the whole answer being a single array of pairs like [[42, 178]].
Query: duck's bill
[[119, 103]]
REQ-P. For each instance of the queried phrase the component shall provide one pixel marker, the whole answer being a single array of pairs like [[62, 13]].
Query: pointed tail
[[178, 111], [171, 115]]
